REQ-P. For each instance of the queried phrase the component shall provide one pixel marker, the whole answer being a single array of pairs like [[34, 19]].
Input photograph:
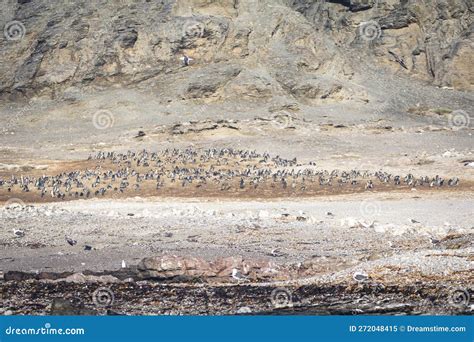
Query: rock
[[457, 241], [209, 80], [64, 307], [81, 278], [291, 107], [53, 276], [259, 52], [244, 310], [167, 267], [17, 276], [171, 266], [140, 134], [8, 313], [355, 223], [443, 60], [224, 266]]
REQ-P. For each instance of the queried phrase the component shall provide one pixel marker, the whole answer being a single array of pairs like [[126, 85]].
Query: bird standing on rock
[[237, 275]]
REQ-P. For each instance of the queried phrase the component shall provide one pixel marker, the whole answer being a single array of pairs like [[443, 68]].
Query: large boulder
[[172, 266]]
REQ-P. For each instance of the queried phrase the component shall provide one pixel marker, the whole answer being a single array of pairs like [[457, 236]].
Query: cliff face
[[433, 40], [242, 49]]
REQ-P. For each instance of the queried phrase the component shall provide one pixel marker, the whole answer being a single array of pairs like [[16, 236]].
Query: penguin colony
[[219, 170]]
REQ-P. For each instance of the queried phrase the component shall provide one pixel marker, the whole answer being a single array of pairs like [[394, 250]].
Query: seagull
[[186, 60], [237, 275], [124, 265], [70, 241], [360, 277], [18, 232], [276, 253]]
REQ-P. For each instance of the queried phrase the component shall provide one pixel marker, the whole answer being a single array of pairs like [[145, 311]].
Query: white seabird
[[360, 276], [18, 232], [186, 60], [237, 275]]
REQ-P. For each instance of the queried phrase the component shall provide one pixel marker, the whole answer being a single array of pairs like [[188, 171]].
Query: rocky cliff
[[306, 50]]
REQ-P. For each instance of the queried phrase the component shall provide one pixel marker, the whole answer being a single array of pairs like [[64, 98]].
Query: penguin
[[186, 60]]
